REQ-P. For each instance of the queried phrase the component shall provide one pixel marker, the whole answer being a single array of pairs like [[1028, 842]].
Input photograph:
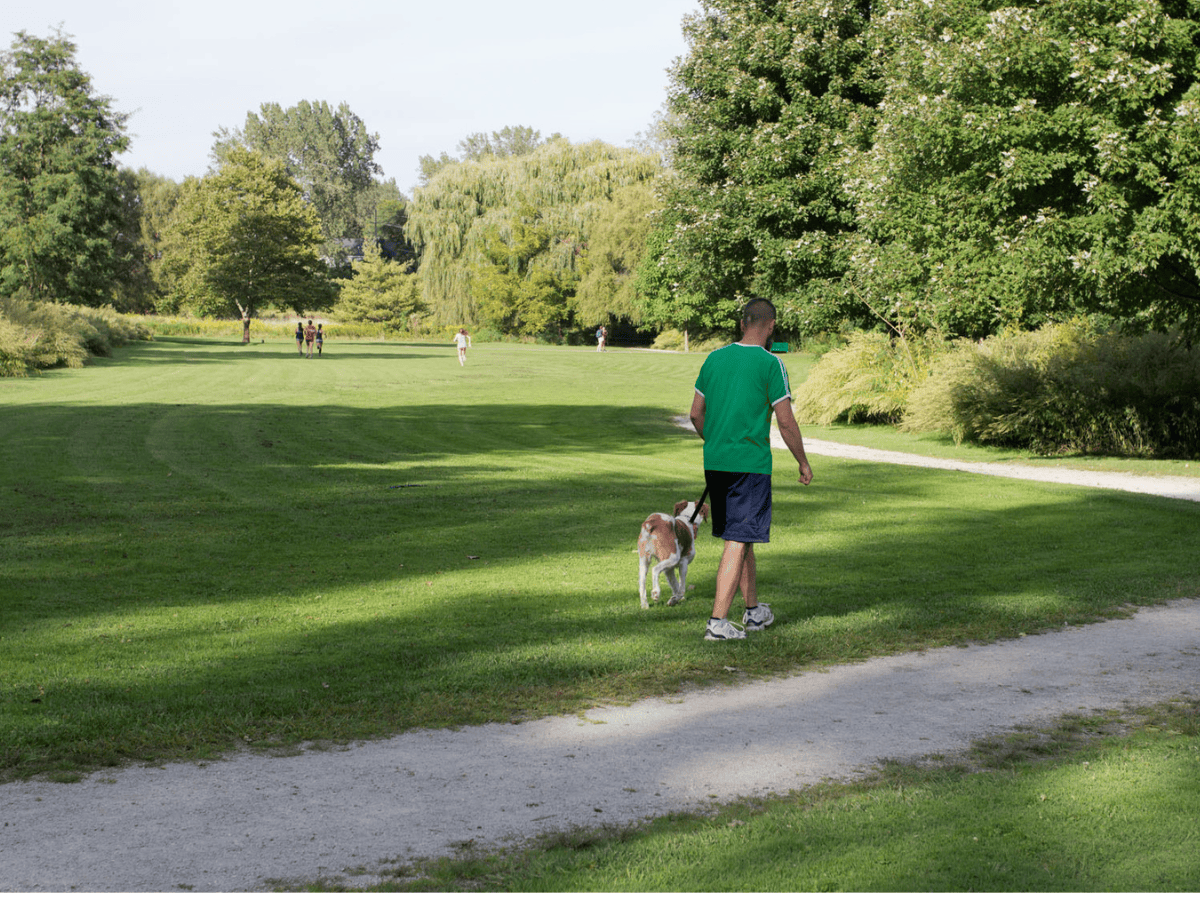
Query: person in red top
[[310, 334]]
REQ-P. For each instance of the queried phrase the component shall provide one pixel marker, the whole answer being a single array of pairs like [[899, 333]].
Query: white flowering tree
[[1032, 162]]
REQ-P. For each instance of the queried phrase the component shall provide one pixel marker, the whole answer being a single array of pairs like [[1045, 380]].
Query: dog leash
[[696, 511]]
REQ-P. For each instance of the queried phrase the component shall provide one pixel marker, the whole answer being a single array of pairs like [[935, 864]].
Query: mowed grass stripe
[[207, 545]]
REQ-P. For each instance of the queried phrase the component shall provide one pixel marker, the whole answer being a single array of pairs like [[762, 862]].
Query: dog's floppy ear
[[680, 507], [704, 511]]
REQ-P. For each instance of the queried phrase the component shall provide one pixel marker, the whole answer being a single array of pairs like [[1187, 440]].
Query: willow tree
[[462, 214], [616, 247]]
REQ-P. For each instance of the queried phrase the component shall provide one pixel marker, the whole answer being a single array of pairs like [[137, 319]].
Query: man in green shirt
[[738, 388]]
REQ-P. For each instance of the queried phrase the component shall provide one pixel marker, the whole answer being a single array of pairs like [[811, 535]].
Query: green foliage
[[957, 166], [328, 152], [615, 248], [61, 200], [673, 339], [512, 140], [763, 108], [381, 292], [1064, 389], [467, 208], [243, 239], [867, 380], [516, 291], [1032, 161], [48, 335]]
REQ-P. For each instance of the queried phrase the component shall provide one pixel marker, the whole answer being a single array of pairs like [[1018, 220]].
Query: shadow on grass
[[496, 544]]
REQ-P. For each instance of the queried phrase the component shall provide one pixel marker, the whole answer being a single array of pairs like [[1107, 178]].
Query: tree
[[512, 140], [1034, 162], [615, 248], [468, 206], [243, 238], [761, 111], [62, 202], [381, 292], [516, 290], [330, 154]]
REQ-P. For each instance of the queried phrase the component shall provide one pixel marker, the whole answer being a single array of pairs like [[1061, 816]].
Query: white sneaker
[[722, 630], [758, 617]]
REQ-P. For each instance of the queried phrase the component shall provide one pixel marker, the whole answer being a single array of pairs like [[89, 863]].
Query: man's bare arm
[[789, 430], [697, 414]]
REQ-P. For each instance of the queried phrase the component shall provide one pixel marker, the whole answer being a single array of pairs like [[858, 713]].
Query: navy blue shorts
[[741, 506]]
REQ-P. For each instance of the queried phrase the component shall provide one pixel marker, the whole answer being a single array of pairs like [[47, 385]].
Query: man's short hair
[[759, 309]]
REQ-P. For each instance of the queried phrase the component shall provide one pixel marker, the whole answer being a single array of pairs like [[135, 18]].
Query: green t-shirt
[[740, 385]]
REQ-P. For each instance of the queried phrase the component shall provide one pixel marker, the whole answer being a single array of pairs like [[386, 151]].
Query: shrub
[[672, 339], [1063, 389], [45, 335], [868, 380]]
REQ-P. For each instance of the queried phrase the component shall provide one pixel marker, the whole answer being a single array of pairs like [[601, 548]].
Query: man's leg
[[749, 581], [730, 576]]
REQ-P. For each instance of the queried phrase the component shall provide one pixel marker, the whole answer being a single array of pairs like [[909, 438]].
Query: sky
[[421, 75]]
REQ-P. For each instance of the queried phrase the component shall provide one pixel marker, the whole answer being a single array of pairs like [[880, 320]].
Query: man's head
[[758, 320]]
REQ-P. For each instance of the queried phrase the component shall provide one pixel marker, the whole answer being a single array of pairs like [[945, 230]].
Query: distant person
[[300, 338], [320, 338], [601, 338], [738, 388], [463, 340], [310, 335]]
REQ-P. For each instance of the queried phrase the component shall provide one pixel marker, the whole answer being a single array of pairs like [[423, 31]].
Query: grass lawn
[[206, 546]]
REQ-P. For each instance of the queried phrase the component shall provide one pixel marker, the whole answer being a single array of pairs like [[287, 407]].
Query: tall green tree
[[62, 201], [512, 140], [242, 239], [467, 206], [330, 154], [761, 110], [517, 289], [381, 292], [1035, 160], [616, 245]]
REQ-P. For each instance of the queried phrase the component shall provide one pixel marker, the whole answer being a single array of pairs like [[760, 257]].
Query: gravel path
[[248, 821], [1164, 486]]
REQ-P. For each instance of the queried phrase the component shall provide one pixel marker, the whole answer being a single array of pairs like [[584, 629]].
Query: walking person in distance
[[463, 340], [738, 389], [310, 334]]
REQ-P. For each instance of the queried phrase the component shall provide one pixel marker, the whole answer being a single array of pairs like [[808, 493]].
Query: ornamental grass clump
[[868, 380], [49, 335], [1063, 389]]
